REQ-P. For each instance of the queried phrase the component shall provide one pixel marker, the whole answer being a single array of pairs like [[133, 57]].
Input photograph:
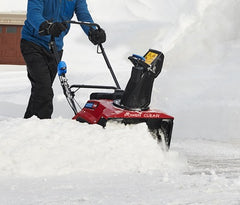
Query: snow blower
[[129, 106]]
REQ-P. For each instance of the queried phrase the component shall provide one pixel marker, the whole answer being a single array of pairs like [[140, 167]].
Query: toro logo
[[135, 115]]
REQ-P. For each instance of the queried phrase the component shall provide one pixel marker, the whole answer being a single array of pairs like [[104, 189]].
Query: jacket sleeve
[[83, 14], [34, 13]]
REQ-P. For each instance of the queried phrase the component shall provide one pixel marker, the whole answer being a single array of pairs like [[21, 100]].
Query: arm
[[83, 14], [34, 13]]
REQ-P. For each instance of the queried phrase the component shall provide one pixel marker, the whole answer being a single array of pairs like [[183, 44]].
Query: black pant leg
[[42, 69]]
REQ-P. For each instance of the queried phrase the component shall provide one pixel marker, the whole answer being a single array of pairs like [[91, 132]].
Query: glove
[[97, 36], [50, 28]]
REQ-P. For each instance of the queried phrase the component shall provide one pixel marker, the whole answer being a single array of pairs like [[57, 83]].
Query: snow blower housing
[[129, 106]]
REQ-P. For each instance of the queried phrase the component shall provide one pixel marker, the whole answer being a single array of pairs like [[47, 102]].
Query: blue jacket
[[39, 11]]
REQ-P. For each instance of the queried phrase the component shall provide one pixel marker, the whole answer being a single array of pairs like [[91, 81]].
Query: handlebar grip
[[84, 23]]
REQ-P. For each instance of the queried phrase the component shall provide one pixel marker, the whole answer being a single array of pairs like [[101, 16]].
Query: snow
[[61, 161]]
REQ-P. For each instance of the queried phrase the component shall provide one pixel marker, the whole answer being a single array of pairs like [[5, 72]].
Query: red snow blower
[[129, 106]]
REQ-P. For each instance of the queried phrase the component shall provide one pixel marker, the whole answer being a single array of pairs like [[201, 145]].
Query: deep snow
[[60, 161]]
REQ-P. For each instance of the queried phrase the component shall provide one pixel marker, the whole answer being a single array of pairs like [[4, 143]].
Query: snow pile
[[60, 147]]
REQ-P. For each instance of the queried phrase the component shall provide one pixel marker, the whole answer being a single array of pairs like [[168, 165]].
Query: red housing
[[95, 110]]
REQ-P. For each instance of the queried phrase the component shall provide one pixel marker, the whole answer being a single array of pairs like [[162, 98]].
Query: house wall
[[10, 36]]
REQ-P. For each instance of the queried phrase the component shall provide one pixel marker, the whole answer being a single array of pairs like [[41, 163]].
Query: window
[[11, 29]]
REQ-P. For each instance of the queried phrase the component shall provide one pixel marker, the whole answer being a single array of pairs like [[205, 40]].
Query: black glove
[[97, 36], [50, 28]]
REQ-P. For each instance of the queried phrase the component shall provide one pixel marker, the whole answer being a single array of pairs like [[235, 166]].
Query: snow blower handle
[[84, 23], [53, 47], [52, 43], [102, 51]]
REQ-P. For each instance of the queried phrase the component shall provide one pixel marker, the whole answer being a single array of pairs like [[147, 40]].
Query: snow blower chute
[[129, 106]]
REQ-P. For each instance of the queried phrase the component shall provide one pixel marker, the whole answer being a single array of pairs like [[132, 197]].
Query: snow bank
[[58, 147]]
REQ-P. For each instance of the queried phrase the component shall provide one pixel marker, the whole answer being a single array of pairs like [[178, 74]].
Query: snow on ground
[[60, 161]]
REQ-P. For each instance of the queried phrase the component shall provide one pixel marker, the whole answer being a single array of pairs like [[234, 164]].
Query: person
[[46, 18]]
